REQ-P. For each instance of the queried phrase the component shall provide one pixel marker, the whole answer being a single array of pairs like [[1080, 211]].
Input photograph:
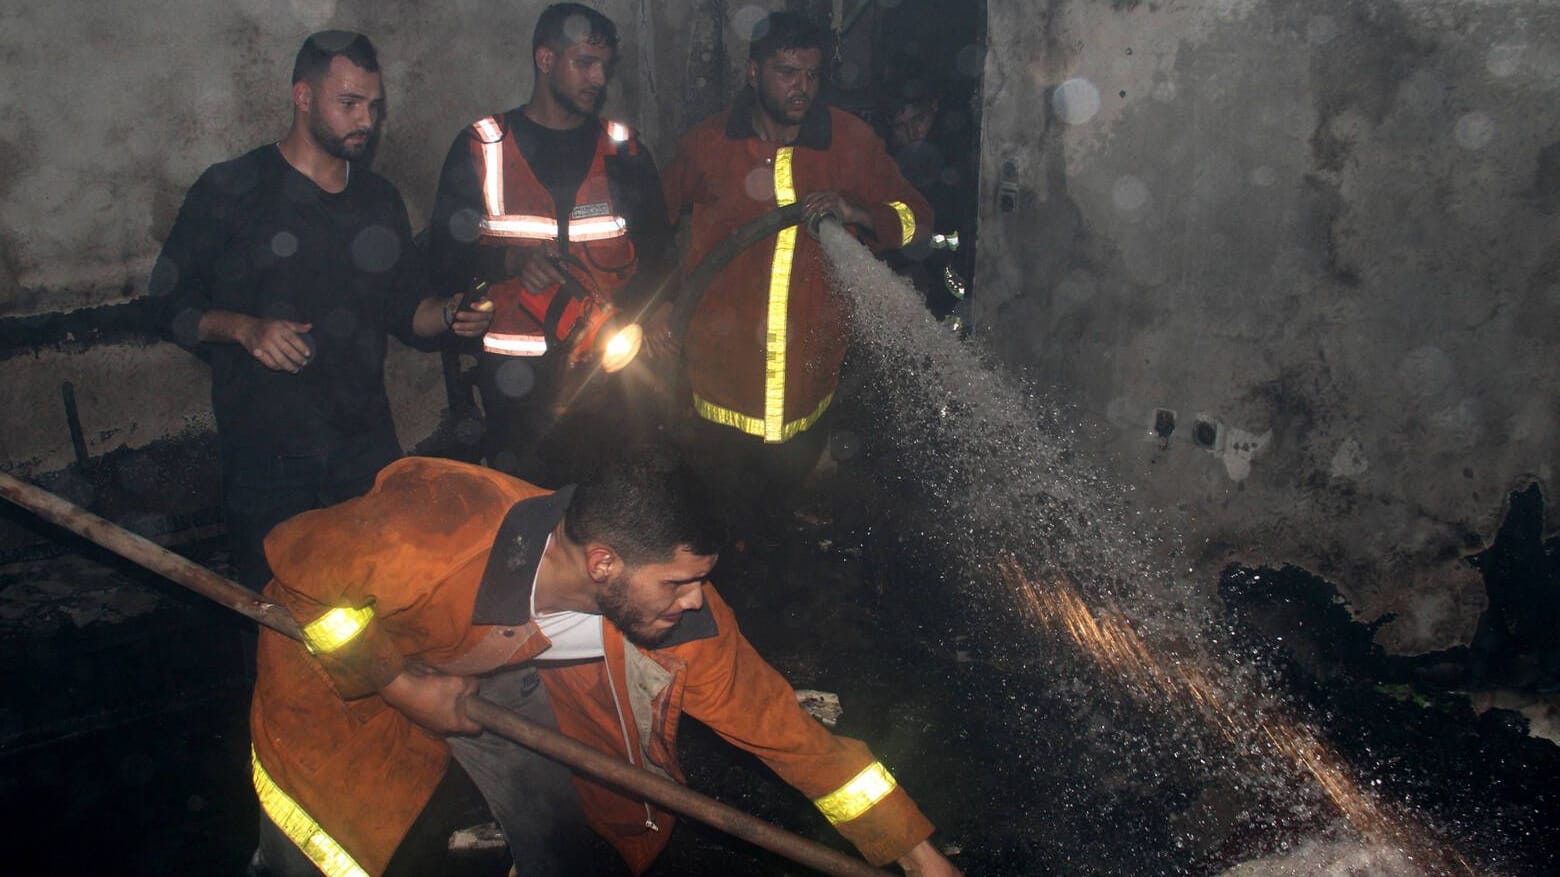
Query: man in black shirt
[[546, 192], [285, 268]]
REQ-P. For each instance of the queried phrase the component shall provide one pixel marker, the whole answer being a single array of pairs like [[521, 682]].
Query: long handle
[[174, 567], [489, 715]]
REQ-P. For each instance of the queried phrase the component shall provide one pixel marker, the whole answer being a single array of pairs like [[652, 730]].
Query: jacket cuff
[[893, 226], [889, 830], [354, 650]]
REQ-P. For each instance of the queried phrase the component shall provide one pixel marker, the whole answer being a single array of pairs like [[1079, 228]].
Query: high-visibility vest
[[518, 211]]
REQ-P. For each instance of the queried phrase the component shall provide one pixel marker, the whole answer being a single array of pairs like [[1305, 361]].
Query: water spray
[[1089, 566], [1108, 638]]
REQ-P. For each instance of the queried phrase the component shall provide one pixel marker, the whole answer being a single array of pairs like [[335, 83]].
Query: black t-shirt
[[257, 237], [559, 159]]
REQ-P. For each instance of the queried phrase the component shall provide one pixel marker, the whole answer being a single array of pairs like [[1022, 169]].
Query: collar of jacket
[[817, 128], [504, 597]]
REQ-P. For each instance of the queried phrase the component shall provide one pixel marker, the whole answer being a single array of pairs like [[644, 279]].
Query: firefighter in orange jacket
[[764, 348], [528, 199], [446, 571]]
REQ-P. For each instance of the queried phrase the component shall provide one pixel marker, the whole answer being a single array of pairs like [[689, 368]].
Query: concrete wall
[[1327, 229], [112, 109]]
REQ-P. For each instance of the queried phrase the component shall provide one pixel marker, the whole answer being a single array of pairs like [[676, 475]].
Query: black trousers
[[261, 488], [551, 425], [754, 484], [516, 409]]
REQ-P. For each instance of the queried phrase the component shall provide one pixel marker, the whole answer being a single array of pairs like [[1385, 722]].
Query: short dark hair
[[562, 25], [645, 507], [779, 31], [321, 48]]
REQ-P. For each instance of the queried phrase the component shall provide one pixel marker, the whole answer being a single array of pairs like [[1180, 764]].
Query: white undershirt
[[574, 635]]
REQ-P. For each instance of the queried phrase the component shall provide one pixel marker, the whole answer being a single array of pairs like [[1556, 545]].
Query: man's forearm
[[436, 316], [437, 701], [281, 345], [431, 317], [225, 327]]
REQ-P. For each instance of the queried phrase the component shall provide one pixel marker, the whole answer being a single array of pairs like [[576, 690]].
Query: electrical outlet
[[1205, 433]]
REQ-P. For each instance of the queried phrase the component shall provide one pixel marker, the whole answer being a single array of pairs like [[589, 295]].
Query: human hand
[[536, 267], [816, 205], [924, 860], [278, 344], [471, 321], [434, 700]]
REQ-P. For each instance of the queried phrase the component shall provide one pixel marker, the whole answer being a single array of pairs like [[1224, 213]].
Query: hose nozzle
[[814, 222]]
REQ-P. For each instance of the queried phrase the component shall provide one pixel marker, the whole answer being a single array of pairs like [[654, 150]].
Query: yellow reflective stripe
[[754, 425], [775, 339], [785, 187], [726, 417], [300, 827], [906, 222], [857, 796], [779, 303], [336, 628]]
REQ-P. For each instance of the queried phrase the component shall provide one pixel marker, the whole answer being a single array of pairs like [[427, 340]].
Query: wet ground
[[124, 731], [123, 746]]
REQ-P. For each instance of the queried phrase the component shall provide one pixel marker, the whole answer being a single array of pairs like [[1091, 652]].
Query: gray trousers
[[531, 796]]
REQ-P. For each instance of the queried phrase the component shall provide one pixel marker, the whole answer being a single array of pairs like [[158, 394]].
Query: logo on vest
[[590, 211]]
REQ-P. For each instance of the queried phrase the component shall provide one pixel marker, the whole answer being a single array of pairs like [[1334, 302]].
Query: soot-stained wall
[[1326, 230], [113, 109]]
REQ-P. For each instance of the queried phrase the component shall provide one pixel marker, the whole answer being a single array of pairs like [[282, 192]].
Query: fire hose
[[489, 715], [742, 237]]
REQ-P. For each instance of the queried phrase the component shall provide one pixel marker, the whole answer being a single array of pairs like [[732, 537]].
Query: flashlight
[[621, 347], [598, 330]]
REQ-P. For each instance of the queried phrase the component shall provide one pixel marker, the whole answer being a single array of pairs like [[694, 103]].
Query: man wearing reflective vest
[[546, 192], [445, 572], [764, 349]]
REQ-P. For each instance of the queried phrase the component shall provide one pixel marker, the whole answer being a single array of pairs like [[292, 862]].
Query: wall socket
[[1007, 187], [1205, 433]]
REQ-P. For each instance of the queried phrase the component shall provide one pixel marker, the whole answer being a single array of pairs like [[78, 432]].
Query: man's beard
[[775, 108], [614, 605], [338, 147], [568, 102]]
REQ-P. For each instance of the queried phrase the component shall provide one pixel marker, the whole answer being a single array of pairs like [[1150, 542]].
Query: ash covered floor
[[123, 741]]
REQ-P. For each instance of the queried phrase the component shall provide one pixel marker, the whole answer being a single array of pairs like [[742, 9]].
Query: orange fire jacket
[[393, 577], [764, 349]]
